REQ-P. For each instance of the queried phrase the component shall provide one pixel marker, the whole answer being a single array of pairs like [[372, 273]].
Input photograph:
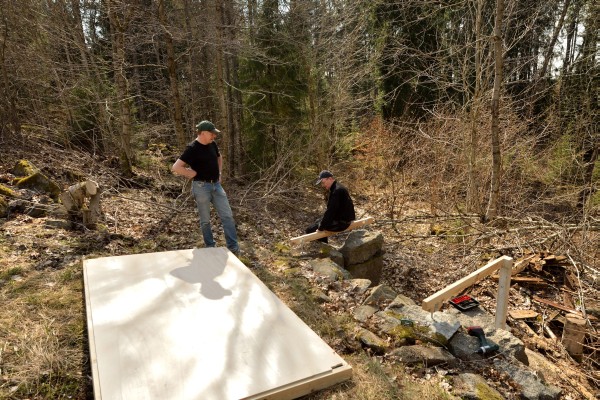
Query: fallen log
[[321, 234]]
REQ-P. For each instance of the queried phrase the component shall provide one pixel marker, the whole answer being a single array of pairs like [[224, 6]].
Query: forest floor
[[43, 337]]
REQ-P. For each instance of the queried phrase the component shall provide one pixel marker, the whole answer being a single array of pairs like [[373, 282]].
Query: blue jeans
[[204, 194]]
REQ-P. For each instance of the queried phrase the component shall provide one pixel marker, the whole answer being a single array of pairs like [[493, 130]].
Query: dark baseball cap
[[324, 174], [207, 126]]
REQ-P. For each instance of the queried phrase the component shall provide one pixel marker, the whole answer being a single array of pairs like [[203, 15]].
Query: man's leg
[[313, 228], [202, 195], [221, 204]]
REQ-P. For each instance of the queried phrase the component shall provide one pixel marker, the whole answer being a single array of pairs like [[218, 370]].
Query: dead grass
[[41, 337]]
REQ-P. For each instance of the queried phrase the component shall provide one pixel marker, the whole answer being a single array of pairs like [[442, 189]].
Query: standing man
[[202, 162], [340, 209]]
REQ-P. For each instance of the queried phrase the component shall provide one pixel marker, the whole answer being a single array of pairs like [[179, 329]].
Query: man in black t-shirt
[[340, 208], [202, 162]]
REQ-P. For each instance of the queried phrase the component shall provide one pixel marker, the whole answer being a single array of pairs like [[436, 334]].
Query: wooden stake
[[503, 288]]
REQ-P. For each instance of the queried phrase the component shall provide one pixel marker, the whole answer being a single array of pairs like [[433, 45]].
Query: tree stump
[[82, 200]]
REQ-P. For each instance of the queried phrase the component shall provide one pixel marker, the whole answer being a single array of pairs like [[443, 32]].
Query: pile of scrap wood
[[554, 309]]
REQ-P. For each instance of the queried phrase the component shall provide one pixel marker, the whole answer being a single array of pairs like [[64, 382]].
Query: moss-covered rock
[[7, 192], [23, 168], [39, 182], [371, 340], [473, 386], [3, 207]]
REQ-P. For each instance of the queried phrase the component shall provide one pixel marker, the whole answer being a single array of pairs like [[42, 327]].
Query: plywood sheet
[[197, 324]]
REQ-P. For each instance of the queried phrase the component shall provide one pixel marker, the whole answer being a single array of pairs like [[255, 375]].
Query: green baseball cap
[[207, 126]]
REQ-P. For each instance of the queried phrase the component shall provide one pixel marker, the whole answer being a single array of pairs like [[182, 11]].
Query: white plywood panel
[[197, 324]]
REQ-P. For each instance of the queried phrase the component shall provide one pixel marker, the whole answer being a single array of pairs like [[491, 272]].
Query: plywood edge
[[306, 386], [91, 338]]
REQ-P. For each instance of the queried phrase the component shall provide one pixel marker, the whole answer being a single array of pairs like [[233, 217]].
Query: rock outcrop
[[392, 325]]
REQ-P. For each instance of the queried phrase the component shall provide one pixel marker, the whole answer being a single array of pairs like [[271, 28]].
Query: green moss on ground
[[40, 182], [8, 192], [23, 168]]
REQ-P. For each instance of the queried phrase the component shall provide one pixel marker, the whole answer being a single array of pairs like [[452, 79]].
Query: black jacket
[[340, 209]]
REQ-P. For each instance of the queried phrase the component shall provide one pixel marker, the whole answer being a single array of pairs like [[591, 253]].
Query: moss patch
[[23, 168], [8, 192], [40, 182], [484, 392]]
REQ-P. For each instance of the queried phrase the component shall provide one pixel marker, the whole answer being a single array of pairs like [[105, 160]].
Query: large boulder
[[358, 286], [379, 295], [413, 322], [361, 246], [371, 341], [328, 269], [427, 356], [474, 387], [370, 269], [401, 301], [363, 312], [40, 183], [532, 386], [463, 345]]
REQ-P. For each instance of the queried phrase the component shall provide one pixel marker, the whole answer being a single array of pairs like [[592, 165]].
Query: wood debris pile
[[553, 308]]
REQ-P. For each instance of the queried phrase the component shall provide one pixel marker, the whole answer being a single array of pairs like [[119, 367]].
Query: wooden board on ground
[[321, 234], [197, 324], [523, 314]]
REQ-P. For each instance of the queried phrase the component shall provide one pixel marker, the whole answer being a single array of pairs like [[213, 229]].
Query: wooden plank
[[503, 289], [523, 314], [573, 336], [321, 234], [521, 265], [526, 279], [299, 389], [555, 305], [197, 324], [91, 339], [435, 301]]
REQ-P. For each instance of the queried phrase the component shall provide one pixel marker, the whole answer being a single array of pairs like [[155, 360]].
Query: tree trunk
[[587, 132], [234, 96], [92, 72], [221, 66], [550, 50], [539, 84], [473, 200], [192, 61], [118, 23], [176, 109], [492, 208], [8, 101]]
